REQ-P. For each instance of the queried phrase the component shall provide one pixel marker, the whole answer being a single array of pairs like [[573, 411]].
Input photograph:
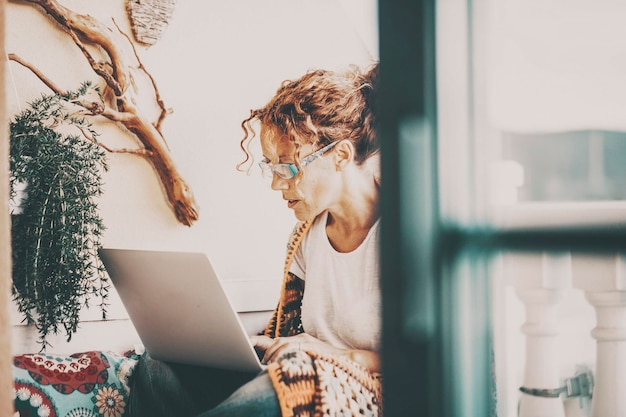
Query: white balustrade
[[540, 281], [603, 278]]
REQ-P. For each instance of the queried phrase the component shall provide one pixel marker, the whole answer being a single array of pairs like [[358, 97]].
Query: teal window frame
[[431, 366]]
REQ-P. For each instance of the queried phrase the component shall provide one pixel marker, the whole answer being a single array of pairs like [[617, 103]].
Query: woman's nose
[[278, 183]]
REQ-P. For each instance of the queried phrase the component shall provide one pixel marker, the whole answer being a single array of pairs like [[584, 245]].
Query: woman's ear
[[344, 154]]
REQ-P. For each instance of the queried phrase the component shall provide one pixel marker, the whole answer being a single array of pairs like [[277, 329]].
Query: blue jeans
[[162, 389], [256, 398]]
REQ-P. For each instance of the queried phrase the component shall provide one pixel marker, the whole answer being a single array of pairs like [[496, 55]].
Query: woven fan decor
[[149, 18]]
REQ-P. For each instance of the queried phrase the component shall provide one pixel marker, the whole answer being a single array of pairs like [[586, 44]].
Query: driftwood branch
[[116, 73], [157, 95], [47, 81], [87, 135]]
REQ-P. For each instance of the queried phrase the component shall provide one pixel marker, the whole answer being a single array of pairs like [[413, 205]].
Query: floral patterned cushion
[[85, 384]]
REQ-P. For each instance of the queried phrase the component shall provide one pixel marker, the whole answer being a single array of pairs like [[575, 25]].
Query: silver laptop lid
[[179, 308]]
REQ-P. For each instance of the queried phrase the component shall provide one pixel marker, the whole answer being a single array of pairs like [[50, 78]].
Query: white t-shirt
[[341, 303]]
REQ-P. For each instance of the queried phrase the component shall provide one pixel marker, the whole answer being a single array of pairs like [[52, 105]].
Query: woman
[[321, 151]]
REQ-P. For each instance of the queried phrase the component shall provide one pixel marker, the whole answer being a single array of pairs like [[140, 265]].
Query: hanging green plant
[[56, 166]]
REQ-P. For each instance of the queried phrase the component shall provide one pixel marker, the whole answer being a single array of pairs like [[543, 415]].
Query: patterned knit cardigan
[[308, 383]]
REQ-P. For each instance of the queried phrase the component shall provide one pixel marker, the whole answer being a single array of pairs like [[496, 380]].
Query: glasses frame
[[288, 171]]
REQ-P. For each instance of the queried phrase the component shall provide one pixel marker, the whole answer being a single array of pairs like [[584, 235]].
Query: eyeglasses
[[288, 171]]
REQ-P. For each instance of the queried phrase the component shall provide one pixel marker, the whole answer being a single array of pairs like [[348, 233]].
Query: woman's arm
[[274, 348]]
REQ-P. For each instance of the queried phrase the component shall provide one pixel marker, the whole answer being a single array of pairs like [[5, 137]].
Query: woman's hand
[[274, 348]]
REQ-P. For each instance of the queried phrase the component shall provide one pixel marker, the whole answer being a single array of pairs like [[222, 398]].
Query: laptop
[[180, 309]]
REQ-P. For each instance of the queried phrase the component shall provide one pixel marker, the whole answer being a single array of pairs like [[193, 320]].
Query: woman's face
[[313, 192]]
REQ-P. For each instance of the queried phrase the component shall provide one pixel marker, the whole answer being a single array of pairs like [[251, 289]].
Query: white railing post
[[603, 278], [540, 281]]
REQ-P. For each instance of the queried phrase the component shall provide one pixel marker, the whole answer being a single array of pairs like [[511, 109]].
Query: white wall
[[215, 62]]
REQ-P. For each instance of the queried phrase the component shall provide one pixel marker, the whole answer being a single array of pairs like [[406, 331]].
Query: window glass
[[584, 165], [532, 135], [554, 78]]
